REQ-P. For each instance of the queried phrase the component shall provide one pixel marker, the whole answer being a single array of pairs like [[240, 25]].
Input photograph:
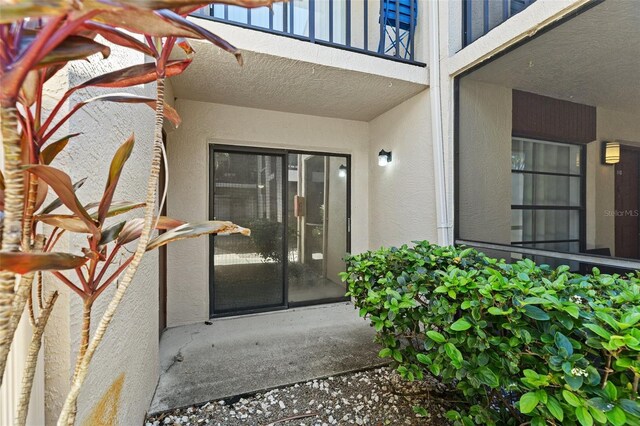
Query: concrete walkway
[[246, 354]]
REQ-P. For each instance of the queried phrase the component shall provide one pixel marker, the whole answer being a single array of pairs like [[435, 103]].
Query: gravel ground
[[374, 397]]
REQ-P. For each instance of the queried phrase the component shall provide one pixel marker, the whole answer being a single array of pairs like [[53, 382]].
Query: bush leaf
[[528, 402], [536, 313], [461, 325], [436, 337]]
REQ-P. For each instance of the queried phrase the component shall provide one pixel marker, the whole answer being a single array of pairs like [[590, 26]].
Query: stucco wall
[[123, 373], [485, 162], [206, 123], [536, 16], [611, 126], [402, 194], [290, 48]]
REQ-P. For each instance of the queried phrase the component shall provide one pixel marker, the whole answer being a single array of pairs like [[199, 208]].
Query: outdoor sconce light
[[610, 152], [342, 170], [384, 157]]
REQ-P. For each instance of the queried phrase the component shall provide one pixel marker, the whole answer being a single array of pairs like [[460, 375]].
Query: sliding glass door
[[318, 237], [248, 272], [297, 207]]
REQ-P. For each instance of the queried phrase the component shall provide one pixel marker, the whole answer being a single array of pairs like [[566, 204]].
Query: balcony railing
[[385, 28], [481, 16]]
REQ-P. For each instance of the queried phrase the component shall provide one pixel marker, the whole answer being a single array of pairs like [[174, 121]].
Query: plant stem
[[27, 223], [82, 350], [85, 333], [149, 217], [12, 230], [113, 277], [32, 361], [22, 294], [636, 379], [105, 266], [607, 370]]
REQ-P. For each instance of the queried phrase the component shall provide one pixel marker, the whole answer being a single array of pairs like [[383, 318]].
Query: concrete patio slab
[[247, 354]]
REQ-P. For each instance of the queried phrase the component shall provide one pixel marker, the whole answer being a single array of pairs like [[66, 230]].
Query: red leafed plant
[[37, 39]]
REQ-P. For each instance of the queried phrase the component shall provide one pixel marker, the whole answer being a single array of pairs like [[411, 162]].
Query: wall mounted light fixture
[[610, 152], [384, 157], [342, 170]]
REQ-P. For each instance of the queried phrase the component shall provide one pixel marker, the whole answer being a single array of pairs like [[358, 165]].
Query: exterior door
[[297, 207], [628, 204], [248, 273]]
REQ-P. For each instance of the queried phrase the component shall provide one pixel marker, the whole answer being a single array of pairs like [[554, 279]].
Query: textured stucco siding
[[291, 48], [188, 148], [528, 22], [124, 370], [402, 194], [485, 162]]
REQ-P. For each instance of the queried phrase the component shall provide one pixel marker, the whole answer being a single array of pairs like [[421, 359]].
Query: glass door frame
[[284, 155]]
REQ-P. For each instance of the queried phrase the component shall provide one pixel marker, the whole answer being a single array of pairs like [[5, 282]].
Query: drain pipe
[[444, 226]]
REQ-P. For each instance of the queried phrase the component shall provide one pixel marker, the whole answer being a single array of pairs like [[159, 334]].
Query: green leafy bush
[[520, 343]]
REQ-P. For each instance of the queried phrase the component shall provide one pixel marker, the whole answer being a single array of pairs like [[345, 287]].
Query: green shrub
[[521, 343]]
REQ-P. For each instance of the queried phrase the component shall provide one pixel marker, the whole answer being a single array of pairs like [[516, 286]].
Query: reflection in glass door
[[248, 273], [297, 207]]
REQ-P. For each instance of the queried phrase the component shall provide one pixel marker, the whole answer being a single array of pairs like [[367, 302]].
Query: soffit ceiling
[[592, 59], [284, 84]]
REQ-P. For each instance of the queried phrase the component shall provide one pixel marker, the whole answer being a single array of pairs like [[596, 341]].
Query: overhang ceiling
[[594, 59], [284, 84]]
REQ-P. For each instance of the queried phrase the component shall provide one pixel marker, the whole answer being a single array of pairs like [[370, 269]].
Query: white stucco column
[[12, 383]]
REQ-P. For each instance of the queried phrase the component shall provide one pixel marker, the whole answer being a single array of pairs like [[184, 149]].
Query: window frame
[[581, 208]]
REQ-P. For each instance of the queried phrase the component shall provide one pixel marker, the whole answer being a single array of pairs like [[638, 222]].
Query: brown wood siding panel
[[627, 204], [541, 117]]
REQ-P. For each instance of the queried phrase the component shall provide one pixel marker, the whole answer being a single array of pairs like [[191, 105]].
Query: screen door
[[248, 272]]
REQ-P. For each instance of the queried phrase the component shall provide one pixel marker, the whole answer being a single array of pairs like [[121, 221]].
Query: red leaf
[[133, 228], [43, 189], [72, 48], [61, 185], [118, 37], [169, 112], [200, 32], [57, 203], [50, 152], [117, 164], [22, 263], [142, 21], [14, 11], [134, 75], [193, 230], [172, 4], [64, 221]]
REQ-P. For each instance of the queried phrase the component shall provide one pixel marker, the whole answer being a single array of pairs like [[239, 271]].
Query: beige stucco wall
[[611, 126], [485, 162], [402, 194], [206, 123], [290, 48], [129, 352], [535, 17]]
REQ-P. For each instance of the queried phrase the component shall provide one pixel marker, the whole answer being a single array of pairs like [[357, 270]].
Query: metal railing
[[481, 16], [384, 28]]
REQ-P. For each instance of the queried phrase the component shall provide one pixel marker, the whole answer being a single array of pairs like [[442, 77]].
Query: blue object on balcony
[[398, 20]]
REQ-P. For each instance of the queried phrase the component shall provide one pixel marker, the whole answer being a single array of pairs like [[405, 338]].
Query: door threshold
[[277, 311]]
